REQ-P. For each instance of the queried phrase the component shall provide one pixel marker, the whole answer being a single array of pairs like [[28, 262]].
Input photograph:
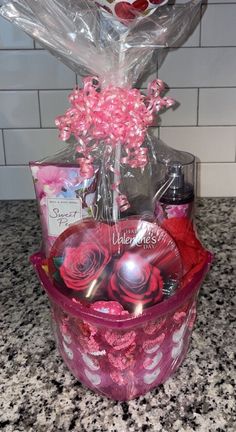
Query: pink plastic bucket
[[118, 356]]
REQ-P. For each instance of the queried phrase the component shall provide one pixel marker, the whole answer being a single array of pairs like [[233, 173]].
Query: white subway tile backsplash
[[34, 69], [2, 158], [13, 38], [38, 46], [217, 180], [208, 144], [143, 82], [16, 183], [34, 87], [217, 106], [200, 67], [193, 39], [24, 145], [218, 25], [20, 109], [185, 112], [52, 104]]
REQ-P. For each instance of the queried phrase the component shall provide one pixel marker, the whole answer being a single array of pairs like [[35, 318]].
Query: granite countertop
[[38, 393]]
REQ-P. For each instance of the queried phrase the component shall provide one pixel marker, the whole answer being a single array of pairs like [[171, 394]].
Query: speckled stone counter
[[38, 393]]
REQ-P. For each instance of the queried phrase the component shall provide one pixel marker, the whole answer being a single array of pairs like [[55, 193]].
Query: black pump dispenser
[[180, 191]]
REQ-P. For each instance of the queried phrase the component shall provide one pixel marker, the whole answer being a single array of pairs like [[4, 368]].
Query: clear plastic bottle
[[175, 193]]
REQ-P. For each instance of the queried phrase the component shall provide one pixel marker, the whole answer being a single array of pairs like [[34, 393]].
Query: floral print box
[[64, 196], [114, 353]]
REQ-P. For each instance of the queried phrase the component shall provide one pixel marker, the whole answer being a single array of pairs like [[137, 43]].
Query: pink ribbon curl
[[113, 116]]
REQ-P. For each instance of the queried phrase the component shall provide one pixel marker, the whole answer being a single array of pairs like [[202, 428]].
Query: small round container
[[123, 356]]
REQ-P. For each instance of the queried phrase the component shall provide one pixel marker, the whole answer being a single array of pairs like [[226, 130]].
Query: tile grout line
[[4, 148], [199, 163], [39, 108], [2, 50], [4, 90], [200, 126], [41, 89], [198, 105], [200, 25]]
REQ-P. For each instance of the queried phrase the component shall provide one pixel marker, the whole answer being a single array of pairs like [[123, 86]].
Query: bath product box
[[64, 197]]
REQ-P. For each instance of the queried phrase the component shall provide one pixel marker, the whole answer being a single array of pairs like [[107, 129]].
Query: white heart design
[[68, 351], [98, 353], [149, 378], [67, 338], [152, 350], [95, 379], [90, 362], [176, 351], [150, 363], [179, 333]]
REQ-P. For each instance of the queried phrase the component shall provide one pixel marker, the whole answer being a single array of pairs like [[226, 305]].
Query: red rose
[[83, 264], [135, 283]]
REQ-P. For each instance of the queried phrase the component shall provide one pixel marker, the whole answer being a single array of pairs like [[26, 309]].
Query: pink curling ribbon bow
[[115, 116]]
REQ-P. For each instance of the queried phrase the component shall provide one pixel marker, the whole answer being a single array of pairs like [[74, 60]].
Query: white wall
[[201, 76]]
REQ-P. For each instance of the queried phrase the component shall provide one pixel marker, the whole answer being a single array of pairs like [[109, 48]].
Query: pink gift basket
[[120, 260], [123, 357]]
